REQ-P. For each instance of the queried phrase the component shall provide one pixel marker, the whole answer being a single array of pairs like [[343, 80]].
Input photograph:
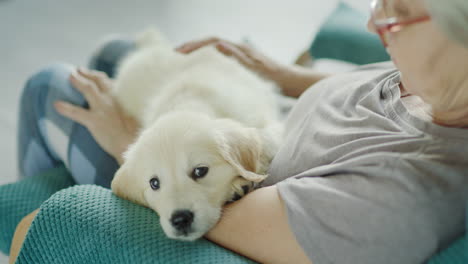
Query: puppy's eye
[[154, 183], [199, 172]]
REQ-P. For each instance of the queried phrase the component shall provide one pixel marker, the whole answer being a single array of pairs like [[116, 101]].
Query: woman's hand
[[110, 126], [293, 79], [245, 54]]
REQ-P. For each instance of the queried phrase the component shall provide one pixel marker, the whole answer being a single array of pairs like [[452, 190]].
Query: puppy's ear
[[128, 186], [242, 148]]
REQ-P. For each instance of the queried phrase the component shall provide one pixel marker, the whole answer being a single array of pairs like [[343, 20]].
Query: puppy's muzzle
[[181, 220]]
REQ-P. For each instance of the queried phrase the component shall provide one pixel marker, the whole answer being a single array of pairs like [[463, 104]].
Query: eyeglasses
[[387, 22]]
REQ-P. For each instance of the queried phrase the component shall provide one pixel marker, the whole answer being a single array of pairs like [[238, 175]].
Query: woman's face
[[429, 62]]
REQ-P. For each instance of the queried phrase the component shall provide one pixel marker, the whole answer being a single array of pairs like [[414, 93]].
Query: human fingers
[[87, 87], [243, 47], [193, 45], [103, 81], [232, 50], [73, 112]]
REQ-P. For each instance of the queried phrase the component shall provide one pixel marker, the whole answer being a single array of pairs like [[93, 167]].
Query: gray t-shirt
[[363, 180]]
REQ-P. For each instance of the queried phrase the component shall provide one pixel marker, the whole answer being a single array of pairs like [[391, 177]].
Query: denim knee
[[49, 84], [110, 52], [44, 78], [37, 109], [35, 151]]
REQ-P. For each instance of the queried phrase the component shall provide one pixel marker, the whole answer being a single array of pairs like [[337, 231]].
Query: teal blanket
[[21, 198], [89, 224]]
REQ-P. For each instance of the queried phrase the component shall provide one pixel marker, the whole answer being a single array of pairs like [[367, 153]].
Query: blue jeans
[[47, 139]]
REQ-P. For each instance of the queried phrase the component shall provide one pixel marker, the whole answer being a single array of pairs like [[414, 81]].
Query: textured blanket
[[89, 224]]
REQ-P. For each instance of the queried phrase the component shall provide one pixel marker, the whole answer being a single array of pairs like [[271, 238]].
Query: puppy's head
[[186, 167]]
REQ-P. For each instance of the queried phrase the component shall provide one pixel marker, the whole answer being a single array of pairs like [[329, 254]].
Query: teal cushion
[[344, 36], [89, 224], [21, 198], [457, 253]]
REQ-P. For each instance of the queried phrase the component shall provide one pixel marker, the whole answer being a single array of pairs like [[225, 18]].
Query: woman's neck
[[417, 107], [451, 119]]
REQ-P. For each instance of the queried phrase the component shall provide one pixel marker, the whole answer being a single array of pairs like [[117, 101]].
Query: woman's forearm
[[294, 79], [257, 227]]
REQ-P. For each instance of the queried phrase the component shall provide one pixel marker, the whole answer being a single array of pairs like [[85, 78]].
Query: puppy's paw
[[240, 187]]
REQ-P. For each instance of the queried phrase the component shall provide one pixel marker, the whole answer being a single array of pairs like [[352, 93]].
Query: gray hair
[[452, 17]]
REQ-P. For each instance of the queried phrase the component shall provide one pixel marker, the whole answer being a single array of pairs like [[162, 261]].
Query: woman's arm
[[293, 79], [296, 79], [300, 76], [257, 227]]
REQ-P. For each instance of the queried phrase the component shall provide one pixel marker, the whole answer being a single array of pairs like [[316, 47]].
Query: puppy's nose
[[182, 219]]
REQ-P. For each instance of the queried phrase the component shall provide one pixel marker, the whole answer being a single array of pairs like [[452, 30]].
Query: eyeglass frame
[[392, 25]]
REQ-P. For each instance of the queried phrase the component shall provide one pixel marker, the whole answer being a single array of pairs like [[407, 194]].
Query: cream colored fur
[[202, 108]]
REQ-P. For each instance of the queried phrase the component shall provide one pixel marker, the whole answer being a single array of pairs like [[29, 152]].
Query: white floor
[[36, 33]]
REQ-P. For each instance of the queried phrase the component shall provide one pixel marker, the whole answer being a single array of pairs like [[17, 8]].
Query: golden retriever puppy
[[209, 129]]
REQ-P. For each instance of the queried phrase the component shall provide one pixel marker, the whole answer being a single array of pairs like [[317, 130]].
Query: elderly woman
[[374, 167]]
